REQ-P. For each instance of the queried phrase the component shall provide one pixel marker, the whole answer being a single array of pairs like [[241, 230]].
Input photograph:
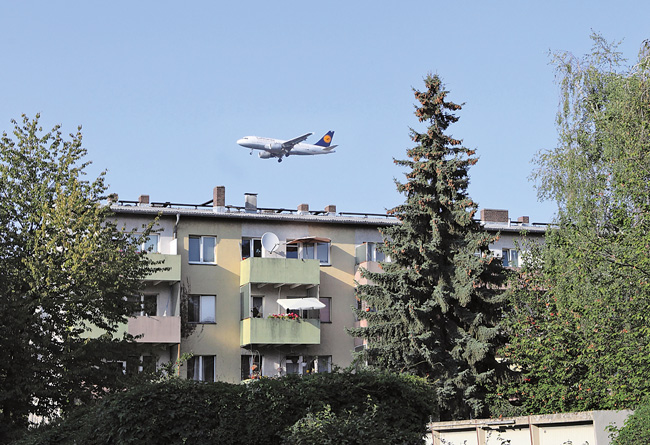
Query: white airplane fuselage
[[278, 148], [274, 146]]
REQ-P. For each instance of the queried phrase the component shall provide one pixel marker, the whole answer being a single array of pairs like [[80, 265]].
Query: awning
[[310, 239], [300, 303]]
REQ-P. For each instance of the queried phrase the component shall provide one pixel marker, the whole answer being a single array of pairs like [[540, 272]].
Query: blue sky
[[164, 89]]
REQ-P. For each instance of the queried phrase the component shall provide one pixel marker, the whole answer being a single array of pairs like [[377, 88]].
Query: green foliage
[[636, 430], [579, 324], [272, 411], [435, 308], [63, 265]]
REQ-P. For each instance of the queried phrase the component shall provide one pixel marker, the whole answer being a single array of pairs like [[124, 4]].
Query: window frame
[[155, 247], [374, 252], [303, 363], [303, 251], [509, 257], [202, 361], [252, 359], [194, 308], [202, 255], [327, 301], [253, 244]]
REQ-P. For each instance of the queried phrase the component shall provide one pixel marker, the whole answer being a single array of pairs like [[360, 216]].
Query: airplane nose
[[241, 141]]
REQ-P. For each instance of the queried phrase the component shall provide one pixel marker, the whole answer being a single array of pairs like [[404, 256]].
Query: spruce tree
[[434, 309]]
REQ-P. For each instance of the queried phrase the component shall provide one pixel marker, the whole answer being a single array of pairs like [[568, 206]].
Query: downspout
[[178, 218], [178, 355]]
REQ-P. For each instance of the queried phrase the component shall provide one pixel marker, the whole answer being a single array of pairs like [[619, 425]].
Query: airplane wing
[[288, 145]]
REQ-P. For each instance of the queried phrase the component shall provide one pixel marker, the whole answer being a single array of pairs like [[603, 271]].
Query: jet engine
[[274, 146], [265, 155]]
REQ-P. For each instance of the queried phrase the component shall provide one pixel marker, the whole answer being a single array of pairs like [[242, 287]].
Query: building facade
[[252, 291]]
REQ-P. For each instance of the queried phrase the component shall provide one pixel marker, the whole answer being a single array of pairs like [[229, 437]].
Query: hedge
[[342, 407]]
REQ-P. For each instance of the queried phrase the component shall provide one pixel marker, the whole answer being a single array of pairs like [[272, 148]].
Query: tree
[[435, 307], [64, 265], [579, 325]]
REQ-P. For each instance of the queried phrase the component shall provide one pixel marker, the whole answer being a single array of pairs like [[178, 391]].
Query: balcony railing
[[173, 262], [155, 329], [279, 271], [270, 331]]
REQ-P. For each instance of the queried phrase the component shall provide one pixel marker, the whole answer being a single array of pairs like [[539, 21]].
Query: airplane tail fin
[[326, 140]]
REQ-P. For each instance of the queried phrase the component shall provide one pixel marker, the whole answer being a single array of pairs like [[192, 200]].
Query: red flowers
[[289, 316]]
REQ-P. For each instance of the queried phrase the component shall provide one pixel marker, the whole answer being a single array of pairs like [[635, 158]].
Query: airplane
[[276, 148]]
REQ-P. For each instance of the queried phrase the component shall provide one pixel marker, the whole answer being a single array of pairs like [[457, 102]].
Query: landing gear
[[280, 160]]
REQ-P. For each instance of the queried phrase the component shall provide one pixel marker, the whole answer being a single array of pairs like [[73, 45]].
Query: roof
[[286, 215], [261, 215]]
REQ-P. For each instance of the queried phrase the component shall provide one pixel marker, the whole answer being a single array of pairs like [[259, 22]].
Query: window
[[510, 257], [201, 368], [251, 247], [292, 251], [316, 251], [201, 309], [375, 253], [292, 364], [257, 310], [307, 364], [139, 363], [251, 366], [148, 305], [202, 249], [310, 248], [326, 312], [151, 243]]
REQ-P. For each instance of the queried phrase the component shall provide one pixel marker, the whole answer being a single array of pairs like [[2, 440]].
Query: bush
[[345, 407], [636, 430]]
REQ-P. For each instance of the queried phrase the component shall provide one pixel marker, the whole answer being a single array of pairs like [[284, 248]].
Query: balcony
[[155, 329], [370, 266], [279, 271], [173, 262], [269, 331]]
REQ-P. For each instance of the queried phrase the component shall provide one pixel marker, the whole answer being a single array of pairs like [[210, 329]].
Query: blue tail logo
[[326, 140]]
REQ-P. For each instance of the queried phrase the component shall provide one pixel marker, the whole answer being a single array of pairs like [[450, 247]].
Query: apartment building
[[262, 292]]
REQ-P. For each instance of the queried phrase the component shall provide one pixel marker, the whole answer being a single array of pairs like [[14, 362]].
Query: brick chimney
[[330, 209], [494, 215], [219, 199], [303, 209], [524, 220], [143, 200]]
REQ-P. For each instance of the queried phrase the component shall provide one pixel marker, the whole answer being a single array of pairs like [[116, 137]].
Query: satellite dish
[[270, 241]]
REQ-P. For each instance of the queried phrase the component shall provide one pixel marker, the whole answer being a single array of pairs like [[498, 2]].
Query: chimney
[[250, 205], [143, 200], [494, 215], [330, 209], [524, 220], [219, 199], [303, 209]]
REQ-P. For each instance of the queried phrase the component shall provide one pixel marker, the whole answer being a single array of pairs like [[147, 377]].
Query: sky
[[164, 89]]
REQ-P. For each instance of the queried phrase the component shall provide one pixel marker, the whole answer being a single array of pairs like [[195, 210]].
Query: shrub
[[364, 407], [636, 430]]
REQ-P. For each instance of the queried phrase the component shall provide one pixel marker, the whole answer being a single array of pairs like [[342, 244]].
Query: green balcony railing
[[279, 271], [173, 262], [270, 331]]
